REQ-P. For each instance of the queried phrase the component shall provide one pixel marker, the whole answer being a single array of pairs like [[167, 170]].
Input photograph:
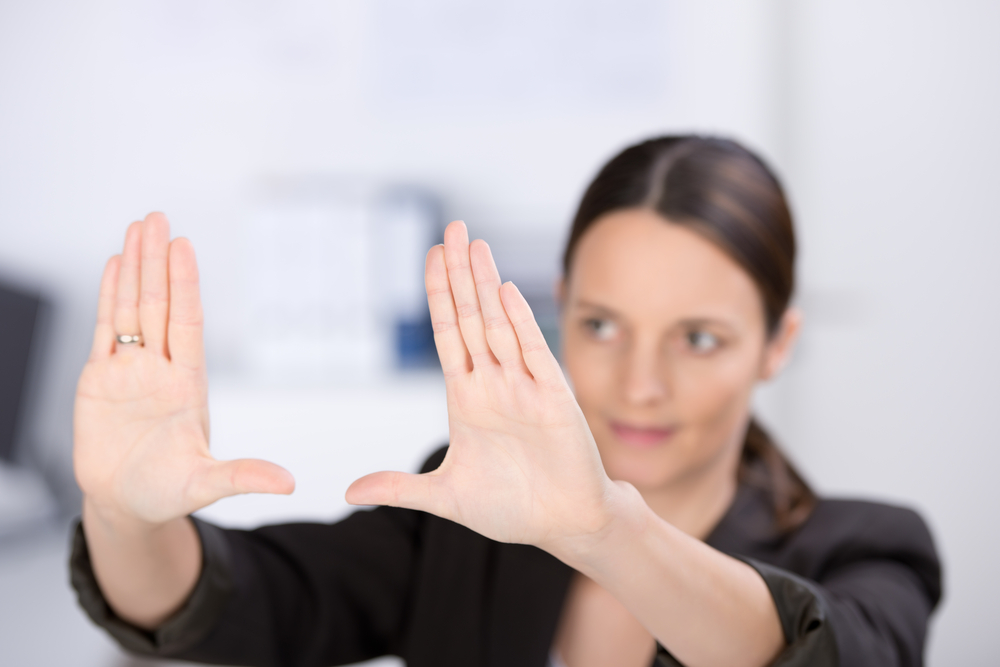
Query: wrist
[[144, 570], [113, 520], [623, 519]]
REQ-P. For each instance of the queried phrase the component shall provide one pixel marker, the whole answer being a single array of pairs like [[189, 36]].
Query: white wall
[[112, 109], [881, 116], [893, 167]]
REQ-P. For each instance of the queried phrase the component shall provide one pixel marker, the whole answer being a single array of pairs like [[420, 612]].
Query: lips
[[641, 437]]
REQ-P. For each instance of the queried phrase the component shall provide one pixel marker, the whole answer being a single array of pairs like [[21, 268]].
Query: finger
[[221, 479], [537, 356], [104, 331], [463, 290], [185, 341], [400, 489], [444, 319], [499, 331], [153, 290], [127, 296]]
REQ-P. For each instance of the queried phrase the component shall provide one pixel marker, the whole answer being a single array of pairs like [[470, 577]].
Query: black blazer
[[854, 586]]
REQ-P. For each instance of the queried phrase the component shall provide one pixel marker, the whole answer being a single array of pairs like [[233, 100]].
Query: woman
[[640, 517]]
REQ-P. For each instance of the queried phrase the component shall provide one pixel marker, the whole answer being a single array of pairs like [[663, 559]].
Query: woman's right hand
[[141, 418]]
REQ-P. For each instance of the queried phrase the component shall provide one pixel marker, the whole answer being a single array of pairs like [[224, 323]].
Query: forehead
[[640, 265]]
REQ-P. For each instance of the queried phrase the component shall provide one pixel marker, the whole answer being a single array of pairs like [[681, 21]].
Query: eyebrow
[[692, 321], [596, 306]]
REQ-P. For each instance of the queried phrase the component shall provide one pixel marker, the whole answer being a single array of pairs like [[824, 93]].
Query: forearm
[[146, 571], [704, 606]]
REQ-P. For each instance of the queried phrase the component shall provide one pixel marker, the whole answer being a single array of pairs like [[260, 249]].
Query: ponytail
[[762, 465]]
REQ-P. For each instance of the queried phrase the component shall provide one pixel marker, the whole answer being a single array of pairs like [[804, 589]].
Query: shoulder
[[866, 516], [844, 533], [852, 525]]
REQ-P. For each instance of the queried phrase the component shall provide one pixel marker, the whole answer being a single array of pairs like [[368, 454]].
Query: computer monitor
[[18, 329]]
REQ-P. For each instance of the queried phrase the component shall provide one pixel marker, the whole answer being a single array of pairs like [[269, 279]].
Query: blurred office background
[[285, 139]]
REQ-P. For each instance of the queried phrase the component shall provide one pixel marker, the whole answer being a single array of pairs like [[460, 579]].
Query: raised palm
[[141, 416], [522, 465]]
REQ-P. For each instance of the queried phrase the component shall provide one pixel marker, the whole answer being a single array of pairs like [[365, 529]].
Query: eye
[[702, 341], [600, 329]]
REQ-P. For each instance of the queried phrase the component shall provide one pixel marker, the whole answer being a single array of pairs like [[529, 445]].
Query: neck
[[697, 502]]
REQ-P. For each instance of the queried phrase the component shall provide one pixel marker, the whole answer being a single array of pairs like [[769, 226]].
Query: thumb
[[399, 489], [222, 479]]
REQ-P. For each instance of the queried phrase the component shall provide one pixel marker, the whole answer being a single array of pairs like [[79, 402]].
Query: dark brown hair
[[726, 194]]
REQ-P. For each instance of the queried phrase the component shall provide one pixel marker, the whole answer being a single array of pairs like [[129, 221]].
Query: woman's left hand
[[522, 465]]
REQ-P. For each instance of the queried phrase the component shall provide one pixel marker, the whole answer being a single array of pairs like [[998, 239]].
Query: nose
[[645, 380]]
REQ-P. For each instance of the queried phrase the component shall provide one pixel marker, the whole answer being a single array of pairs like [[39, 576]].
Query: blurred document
[[336, 281]]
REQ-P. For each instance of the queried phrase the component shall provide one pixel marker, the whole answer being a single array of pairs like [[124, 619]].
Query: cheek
[[591, 370], [712, 396]]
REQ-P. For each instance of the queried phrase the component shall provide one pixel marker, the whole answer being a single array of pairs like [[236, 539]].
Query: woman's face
[[664, 339]]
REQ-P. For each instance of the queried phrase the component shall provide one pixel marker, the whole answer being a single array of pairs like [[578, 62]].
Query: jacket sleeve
[[303, 594], [880, 586], [804, 617], [872, 581], [187, 626]]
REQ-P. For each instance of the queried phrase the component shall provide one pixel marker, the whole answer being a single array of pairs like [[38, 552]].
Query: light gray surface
[[40, 623], [25, 500]]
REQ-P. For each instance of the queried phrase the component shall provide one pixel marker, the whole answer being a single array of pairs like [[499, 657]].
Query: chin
[[642, 469]]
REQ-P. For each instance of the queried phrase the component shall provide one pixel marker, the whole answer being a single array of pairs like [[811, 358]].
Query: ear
[[559, 291], [779, 348]]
